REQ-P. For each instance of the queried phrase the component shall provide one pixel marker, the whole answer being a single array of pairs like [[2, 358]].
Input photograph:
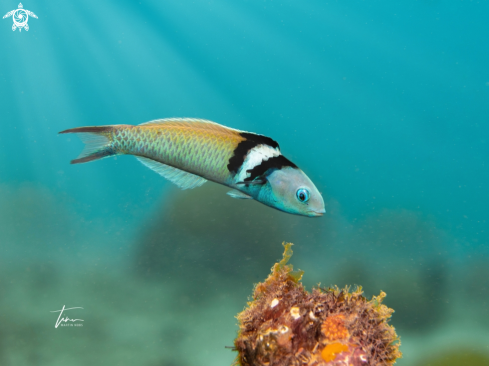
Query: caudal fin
[[98, 143]]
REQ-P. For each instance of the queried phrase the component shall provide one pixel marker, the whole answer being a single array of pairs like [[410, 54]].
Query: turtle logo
[[20, 17]]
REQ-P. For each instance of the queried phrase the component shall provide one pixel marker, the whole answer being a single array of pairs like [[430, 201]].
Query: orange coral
[[330, 352], [334, 328]]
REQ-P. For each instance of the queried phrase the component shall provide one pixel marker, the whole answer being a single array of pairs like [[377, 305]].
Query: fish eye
[[302, 195]]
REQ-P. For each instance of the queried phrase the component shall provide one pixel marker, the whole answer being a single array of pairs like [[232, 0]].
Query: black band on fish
[[277, 162], [251, 140]]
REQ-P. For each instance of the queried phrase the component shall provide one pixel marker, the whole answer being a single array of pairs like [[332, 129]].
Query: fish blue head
[[290, 190]]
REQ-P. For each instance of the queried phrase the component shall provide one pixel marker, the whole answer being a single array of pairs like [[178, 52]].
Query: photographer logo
[[66, 322], [20, 17]]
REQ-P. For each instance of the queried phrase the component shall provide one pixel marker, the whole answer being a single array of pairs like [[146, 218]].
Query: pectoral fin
[[239, 195]]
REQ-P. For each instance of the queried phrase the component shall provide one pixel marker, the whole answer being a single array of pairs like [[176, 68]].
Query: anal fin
[[239, 195], [177, 176]]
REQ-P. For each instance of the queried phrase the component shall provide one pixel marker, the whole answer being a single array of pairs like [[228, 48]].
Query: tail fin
[[98, 143]]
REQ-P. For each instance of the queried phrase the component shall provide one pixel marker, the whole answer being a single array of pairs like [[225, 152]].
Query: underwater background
[[383, 104]]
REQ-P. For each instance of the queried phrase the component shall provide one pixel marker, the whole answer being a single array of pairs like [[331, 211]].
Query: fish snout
[[316, 213]]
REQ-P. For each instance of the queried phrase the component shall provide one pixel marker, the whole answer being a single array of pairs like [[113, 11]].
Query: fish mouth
[[317, 213]]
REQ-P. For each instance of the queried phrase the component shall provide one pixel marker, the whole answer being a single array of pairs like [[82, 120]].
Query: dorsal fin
[[179, 177], [194, 123]]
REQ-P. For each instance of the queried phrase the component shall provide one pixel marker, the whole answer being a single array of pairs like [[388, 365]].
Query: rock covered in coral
[[286, 325]]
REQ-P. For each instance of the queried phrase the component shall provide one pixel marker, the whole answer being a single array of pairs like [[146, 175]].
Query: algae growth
[[286, 325]]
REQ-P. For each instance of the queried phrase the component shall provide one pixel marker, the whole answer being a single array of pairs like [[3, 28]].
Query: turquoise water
[[385, 106]]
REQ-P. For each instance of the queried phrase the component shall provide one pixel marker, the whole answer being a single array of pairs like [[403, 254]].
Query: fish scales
[[201, 151]]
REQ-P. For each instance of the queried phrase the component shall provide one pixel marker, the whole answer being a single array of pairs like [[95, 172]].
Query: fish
[[189, 152]]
